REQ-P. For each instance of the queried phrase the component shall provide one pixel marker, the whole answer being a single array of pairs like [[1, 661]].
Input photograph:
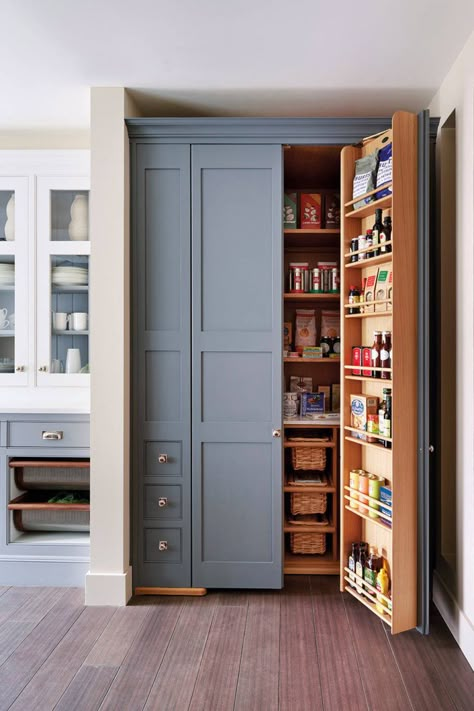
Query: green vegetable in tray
[[68, 497]]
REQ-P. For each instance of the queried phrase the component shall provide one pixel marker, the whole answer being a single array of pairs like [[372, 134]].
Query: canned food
[[375, 483], [298, 276], [362, 245], [356, 359], [316, 281], [363, 487], [354, 484], [372, 427], [354, 248], [334, 285]]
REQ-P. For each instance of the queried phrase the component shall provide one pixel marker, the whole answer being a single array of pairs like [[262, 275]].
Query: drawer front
[[48, 434], [162, 545], [169, 453], [162, 501]]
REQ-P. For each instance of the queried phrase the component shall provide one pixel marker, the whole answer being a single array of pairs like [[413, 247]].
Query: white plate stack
[[70, 276], [7, 274]]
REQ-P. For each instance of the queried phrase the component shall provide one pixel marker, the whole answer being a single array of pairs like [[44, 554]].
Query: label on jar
[[360, 573], [370, 576], [387, 428], [383, 355], [375, 354]]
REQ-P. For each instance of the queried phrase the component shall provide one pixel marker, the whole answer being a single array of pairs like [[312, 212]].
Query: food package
[[290, 211], [287, 335], [369, 290], [335, 397], [384, 171], [312, 404], [305, 332], [326, 390], [332, 210], [361, 407], [310, 210], [364, 178], [384, 279], [330, 324]]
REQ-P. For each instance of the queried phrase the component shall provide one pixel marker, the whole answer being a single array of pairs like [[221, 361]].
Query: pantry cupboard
[[211, 452]]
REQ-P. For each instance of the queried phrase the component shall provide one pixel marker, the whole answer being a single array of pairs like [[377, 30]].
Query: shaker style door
[[236, 365], [161, 336]]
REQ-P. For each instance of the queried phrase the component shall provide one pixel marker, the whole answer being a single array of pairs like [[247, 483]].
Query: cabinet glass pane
[[69, 215], [7, 314], [70, 314], [7, 215]]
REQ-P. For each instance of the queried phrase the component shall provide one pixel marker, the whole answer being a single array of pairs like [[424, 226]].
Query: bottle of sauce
[[381, 411], [376, 231], [352, 562], [354, 298], [373, 566], [382, 585], [375, 353], [360, 565], [386, 236], [369, 240], [386, 354], [387, 422]]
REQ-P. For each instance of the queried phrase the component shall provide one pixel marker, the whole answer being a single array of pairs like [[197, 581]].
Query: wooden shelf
[[359, 513], [51, 463], [29, 502], [319, 231], [368, 194], [302, 528], [369, 605], [353, 429], [319, 361], [378, 370], [381, 259], [376, 302], [299, 445], [368, 586], [308, 489], [317, 564], [370, 314], [365, 378], [368, 444], [370, 208], [367, 250], [306, 296], [308, 424]]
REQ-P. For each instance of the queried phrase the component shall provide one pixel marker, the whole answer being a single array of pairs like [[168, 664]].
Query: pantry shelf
[[378, 370], [29, 502], [368, 194], [306, 296], [301, 445], [366, 379], [302, 528], [320, 231], [311, 424], [307, 489], [367, 518], [319, 361], [371, 314], [353, 429], [306, 564], [381, 259], [368, 444], [367, 586], [366, 250], [367, 604], [369, 209]]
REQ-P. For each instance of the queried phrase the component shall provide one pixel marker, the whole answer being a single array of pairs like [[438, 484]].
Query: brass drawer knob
[[162, 501], [163, 458], [163, 546]]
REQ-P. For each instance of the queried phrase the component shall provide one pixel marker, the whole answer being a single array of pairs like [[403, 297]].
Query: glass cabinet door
[[63, 282], [14, 282]]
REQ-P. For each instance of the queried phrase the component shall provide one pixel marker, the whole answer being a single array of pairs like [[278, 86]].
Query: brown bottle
[[386, 354], [375, 353], [373, 565]]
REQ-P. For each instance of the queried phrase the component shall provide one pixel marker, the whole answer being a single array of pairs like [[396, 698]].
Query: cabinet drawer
[[162, 501], [48, 434], [162, 545], [170, 455]]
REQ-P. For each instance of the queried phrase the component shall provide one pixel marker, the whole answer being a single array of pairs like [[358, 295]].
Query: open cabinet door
[[384, 468]]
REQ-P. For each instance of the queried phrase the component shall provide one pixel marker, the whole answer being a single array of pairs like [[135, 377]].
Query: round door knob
[[163, 546], [162, 501], [20, 368], [162, 458], [43, 368], [276, 433]]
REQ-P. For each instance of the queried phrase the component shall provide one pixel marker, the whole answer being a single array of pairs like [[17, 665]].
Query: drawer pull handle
[[20, 368], [162, 501], [53, 435], [163, 546], [163, 458], [43, 368]]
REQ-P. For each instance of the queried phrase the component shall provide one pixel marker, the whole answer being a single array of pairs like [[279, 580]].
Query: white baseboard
[[459, 625], [109, 588]]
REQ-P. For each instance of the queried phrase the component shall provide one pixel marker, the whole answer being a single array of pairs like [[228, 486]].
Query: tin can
[[366, 361], [290, 405], [334, 285], [316, 281], [363, 488], [298, 276], [375, 483], [354, 484], [297, 279], [356, 359], [362, 245], [372, 427], [354, 248]]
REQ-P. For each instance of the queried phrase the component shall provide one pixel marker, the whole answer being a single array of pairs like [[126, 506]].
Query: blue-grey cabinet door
[[161, 365], [237, 372]]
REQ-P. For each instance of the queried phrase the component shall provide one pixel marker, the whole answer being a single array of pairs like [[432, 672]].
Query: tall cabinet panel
[[161, 366], [237, 375]]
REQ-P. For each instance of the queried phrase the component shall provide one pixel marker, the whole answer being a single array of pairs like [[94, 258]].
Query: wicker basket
[[309, 543], [308, 458], [305, 503]]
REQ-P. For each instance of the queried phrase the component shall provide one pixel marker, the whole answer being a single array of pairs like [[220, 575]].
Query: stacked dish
[[69, 276], [7, 274]]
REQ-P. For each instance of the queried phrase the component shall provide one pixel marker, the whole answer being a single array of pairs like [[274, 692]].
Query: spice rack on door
[[397, 465]]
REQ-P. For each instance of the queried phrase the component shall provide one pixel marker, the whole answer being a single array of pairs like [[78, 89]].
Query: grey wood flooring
[[305, 648]]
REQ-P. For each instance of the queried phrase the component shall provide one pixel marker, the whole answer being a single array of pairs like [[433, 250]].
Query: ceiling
[[247, 57]]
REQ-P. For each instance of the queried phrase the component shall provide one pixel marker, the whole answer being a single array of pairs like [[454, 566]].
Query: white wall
[[456, 601], [109, 579]]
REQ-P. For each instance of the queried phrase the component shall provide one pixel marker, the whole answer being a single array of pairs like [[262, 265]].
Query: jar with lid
[[354, 298], [325, 344], [298, 277]]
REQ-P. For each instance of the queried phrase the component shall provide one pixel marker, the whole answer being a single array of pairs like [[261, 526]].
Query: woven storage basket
[[305, 503], [308, 458], [308, 542]]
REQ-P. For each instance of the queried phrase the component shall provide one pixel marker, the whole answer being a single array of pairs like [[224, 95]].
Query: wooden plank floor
[[305, 648]]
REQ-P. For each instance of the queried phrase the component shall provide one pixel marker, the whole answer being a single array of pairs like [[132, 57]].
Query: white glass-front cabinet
[[44, 279], [14, 282], [63, 282]]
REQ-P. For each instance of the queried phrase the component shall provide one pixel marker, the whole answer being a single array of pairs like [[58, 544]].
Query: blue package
[[384, 171], [312, 404]]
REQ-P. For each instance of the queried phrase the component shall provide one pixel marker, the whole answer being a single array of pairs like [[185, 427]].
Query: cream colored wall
[[109, 578], [456, 601], [47, 139]]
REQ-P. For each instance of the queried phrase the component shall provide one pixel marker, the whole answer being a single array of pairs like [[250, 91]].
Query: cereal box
[[361, 407], [312, 404], [290, 211], [310, 210]]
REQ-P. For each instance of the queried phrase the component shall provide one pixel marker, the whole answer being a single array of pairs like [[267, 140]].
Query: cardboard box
[[336, 397], [290, 211], [326, 390], [287, 335], [369, 290], [332, 210], [310, 210], [386, 498], [361, 407], [384, 278], [312, 352], [312, 404]]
